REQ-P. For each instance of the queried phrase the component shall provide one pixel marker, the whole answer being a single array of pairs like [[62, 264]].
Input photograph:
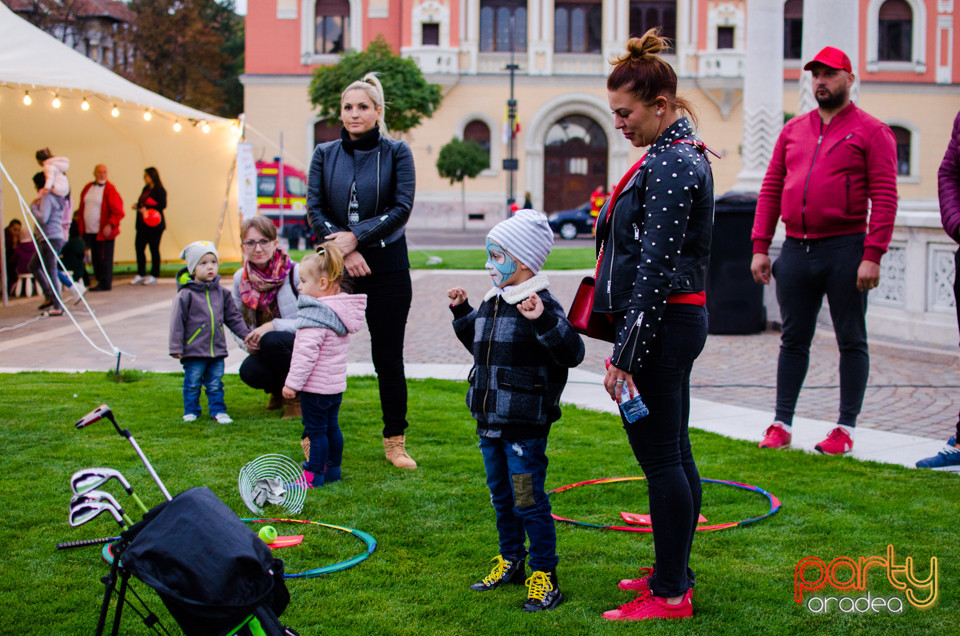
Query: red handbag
[[581, 315]]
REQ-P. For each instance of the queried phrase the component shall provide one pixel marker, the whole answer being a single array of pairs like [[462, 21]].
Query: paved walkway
[[908, 412]]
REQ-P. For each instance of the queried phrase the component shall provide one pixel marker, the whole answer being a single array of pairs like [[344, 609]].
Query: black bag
[[209, 568]]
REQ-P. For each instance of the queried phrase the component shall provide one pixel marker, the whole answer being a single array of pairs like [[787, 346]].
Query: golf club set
[[212, 574]]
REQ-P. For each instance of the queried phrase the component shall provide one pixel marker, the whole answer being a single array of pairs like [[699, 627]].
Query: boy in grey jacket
[[197, 338]]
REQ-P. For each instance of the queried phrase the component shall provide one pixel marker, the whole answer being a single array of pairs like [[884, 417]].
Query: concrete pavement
[[908, 412]]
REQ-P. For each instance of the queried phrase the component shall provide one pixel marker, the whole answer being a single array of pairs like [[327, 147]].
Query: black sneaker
[[504, 572], [543, 593]]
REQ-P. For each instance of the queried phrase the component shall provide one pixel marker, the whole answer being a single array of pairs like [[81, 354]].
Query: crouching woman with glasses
[[265, 292]]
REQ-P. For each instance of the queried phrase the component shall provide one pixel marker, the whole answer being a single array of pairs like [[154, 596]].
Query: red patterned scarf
[[259, 288]]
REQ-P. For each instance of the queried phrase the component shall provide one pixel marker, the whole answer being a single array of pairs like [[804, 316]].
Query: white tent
[[194, 165]]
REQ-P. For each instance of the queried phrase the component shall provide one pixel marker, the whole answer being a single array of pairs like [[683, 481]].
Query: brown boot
[[305, 445], [292, 409], [396, 453], [275, 403]]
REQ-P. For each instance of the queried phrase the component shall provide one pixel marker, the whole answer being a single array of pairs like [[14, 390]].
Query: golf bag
[[213, 573]]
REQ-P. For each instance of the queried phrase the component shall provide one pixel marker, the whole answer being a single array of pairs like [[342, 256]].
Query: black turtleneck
[[368, 141]]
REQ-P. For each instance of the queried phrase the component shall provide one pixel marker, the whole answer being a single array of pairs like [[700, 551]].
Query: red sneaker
[[648, 606], [637, 585], [838, 442], [776, 437]]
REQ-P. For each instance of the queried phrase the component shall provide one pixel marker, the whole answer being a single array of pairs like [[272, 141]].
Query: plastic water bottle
[[632, 408]]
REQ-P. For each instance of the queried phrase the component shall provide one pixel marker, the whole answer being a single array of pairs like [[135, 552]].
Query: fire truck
[[282, 198]]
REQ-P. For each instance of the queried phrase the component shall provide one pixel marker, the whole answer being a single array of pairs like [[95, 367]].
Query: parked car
[[570, 223]]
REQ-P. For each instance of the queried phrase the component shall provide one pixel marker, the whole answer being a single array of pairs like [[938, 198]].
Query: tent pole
[[3, 248], [226, 201]]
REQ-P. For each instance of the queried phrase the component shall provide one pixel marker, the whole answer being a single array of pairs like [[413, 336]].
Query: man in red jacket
[[829, 168], [101, 210]]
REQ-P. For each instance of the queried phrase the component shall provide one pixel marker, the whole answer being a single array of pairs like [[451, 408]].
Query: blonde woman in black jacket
[[359, 194]]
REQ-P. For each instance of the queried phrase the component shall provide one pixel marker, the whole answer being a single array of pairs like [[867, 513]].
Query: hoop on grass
[[774, 505], [367, 539]]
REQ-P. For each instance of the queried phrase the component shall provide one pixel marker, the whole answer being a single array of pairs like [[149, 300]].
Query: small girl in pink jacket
[[318, 369]]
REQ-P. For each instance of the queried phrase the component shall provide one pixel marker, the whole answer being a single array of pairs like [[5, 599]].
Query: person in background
[[150, 225], [833, 180], [48, 210], [98, 220], [948, 181], [359, 193], [11, 237]]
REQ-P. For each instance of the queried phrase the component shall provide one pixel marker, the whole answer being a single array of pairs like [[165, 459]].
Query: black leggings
[[148, 237], [389, 295], [267, 369]]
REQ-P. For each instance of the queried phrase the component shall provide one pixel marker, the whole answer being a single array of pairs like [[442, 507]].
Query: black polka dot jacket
[[656, 242]]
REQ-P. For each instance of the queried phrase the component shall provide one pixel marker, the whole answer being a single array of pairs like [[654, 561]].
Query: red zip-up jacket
[[822, 180]]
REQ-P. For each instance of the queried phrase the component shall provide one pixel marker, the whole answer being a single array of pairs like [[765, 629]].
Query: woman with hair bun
[[653, 242], [359, 194]]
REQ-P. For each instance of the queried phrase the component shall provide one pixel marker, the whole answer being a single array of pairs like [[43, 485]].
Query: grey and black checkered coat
[[519, 365]]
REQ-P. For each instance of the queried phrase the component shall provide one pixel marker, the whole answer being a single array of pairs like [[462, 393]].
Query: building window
[[479, 133], [725, 37], [332, 33], [647, 14], [503, 25], [326, 130], [895, 32], [793, 30], [430, 34], [577, 27], [902, 135]]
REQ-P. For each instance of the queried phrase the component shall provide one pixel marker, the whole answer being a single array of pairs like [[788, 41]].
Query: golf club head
[[87, 479], [97, 496], [93, 416], [85, 511]]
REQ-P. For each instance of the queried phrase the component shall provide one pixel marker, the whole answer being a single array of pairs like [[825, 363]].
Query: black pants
[[389, 296], [956, 296], [148, 237], [661, 444], [267, 369], [805, 272], [101, 259]]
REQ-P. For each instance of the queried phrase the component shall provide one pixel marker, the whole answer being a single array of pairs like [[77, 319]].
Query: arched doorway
[[575, 162]]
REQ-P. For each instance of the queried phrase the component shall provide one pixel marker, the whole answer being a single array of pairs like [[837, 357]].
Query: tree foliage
[[179, 50], [409, 96], [459, 160]]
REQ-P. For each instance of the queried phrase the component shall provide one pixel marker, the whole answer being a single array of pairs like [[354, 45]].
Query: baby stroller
[[212, 572]]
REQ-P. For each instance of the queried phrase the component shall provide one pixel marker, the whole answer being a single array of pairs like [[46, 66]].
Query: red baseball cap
[[832, 57]]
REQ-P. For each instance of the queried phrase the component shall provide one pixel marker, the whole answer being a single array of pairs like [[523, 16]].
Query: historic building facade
[[739, 62]]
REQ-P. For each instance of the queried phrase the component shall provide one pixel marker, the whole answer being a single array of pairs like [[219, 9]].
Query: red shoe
[[637, 585], [776, 437], [838, 442], [648, 606]]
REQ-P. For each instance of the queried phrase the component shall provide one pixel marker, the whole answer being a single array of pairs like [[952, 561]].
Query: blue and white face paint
[[499, 265]]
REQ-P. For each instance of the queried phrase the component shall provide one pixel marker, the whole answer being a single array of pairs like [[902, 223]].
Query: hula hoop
[[774, 505], [368, 539]]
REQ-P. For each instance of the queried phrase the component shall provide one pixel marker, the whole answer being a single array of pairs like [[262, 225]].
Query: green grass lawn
[[435, 526]]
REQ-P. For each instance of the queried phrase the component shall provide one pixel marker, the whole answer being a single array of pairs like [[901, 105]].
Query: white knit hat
[[194, 252], [527, 236]]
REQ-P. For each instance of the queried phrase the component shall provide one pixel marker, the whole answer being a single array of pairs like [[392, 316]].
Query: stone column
[[762, 91], [829, 23]]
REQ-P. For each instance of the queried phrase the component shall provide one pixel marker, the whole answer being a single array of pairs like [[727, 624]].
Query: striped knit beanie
[[526, 236]]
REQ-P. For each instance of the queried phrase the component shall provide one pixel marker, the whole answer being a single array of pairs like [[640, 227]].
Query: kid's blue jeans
[[321, 414], [206, 372], [516, 473]]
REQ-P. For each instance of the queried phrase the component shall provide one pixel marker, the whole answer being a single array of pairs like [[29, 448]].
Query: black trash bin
[[734, 300]]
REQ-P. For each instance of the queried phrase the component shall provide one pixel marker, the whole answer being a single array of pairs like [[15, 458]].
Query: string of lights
[[84, 101]]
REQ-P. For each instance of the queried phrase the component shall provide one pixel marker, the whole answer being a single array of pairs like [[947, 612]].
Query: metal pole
[[3, 248], [281, 186], [511, 120]]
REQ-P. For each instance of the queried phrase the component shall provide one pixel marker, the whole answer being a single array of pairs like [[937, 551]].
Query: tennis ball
[[268, 534]]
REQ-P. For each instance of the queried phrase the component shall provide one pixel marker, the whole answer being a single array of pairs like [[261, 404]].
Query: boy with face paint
[[522, 346]]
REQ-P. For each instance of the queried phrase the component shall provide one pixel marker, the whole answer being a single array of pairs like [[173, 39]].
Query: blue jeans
[[321, 424], [207, 372], [806, 271], [516, 472], [661, 444]]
